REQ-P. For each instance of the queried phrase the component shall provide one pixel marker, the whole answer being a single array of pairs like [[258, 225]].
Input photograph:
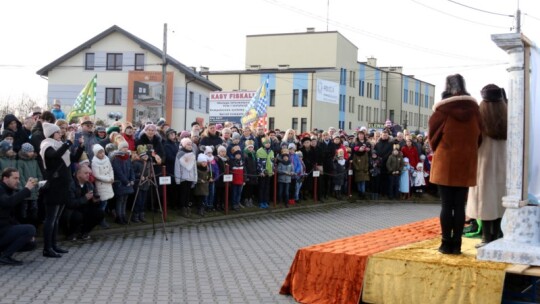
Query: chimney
[[203, 69], [372, 61], [194, 69], [310, 30]]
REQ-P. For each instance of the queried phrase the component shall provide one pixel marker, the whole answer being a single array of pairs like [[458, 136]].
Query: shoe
[[50, 253], [201, 211], [135, 218], [84, 237], [71, 238], [479, 245], [60, 250], [141, 217], [446, 247], [104, 225], [10, 261]]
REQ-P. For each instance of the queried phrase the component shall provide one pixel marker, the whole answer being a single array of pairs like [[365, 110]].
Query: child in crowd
[[141, 170], [300, 176], [340, 171], [28, 167], [185, 172], [7, 155], [104, 177], [375, 165], [238, 172], [404, 179], [234, 142], [221, 161], [285, 172], [419, 176], [394, 164], [250, 160], [125, 179], [203, 179], [213, 170]]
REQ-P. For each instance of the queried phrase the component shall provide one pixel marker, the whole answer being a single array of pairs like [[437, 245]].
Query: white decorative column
[[520, 223]]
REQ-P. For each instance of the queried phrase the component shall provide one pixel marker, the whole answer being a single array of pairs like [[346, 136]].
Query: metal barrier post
[[226, 191], [164, 173]]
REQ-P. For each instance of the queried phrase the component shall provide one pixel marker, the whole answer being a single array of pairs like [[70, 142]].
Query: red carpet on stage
[[333, 272]]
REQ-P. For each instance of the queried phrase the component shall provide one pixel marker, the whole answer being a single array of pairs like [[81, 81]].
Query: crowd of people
[[88, 173]]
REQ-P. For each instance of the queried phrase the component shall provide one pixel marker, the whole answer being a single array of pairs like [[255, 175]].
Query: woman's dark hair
[[494, 117], [455, 86], [48, 116]]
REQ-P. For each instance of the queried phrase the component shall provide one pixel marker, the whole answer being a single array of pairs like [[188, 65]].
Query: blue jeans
[[297, 189], [361, 186], [211, 193], [283, 192], [236, 194]]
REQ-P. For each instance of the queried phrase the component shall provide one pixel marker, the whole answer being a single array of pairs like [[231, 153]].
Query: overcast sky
[[430, 39]]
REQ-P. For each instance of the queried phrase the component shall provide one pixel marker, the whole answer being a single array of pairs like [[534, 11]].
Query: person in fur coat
[[103, 173], [454, 136], [185, 173]]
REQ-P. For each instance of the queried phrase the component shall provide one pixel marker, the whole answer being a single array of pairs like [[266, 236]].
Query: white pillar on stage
[[521, 222]]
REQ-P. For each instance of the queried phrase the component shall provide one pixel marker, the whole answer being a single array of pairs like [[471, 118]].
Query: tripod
[[151, 179]]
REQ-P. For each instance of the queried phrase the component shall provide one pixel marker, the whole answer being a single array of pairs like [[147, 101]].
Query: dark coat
[[58, 192], [9, 199], [250, 161], [20, 136], [454, 136], [309, 157], [213, 141], [326, 155], [123, 175], [171, 149]]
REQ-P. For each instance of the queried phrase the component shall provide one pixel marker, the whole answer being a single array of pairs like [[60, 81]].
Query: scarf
[[269, 156], [55, 144]]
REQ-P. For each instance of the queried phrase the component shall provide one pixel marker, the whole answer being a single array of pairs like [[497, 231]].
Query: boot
[[446, 246], [54, 244], [201, 211], [50, 253], [141, 217], [184, 211], [456, 245], [135, 218]]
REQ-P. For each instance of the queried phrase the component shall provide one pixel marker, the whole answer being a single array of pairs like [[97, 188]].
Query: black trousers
[[15, 238], [264, 188], [452, 211], [83, 220]]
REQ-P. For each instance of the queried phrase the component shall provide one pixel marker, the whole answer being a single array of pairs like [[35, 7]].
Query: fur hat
[[96, 148], [236, 136], [208, 149], [249, 143], [202, 158], [185, 134], [492, 93], [304, 139], [27, 148], [142, 150], [123, 144], [49, 129], [5, 146]]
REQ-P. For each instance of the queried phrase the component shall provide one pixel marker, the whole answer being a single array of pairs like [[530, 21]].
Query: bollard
[[164, 173], [226, 190]]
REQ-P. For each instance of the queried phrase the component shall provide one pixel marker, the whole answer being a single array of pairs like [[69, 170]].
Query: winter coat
[[238, 170], [171, 149], [419, 178], [339, 173], [221, 166], [455, 135], [265, 156], [412, 154], [185, 167], [360, 163], [58, 114], [485, 200], [103, 173], [203, 177], [375, 165], [6, 162], [285, 170], [19, 136], [327, 151], [141, 172], [58, 191], [310, 157], [131, 142], [394, 163], [156, 145], [9, 199], [405, 179], [28, 167], [123, 174], [89, 141], [212, 141], [250, 160], [77, 195]]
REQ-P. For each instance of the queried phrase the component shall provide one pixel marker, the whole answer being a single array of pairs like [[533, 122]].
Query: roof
[[190, 74]]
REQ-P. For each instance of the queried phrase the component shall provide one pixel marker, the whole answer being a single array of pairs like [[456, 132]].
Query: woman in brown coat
[[454, 135], [485, 199]]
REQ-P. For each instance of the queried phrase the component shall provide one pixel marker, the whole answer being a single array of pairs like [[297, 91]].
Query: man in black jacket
[[13, 237]]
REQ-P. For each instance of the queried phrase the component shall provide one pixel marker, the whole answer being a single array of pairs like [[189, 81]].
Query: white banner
[[228, 106], [534, 129], [327, 91]]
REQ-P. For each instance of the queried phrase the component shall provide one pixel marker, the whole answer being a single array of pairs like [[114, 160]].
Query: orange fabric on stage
[[333, 272]]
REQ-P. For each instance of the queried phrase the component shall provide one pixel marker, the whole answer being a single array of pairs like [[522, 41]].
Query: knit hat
[[110, 147], [184, 141], [100, 129], [202, 158], [49, 129], [84, 158], [237, 152], [5, 146], [299, 154], [236, 135], [265, 141], [169, 131], [141, 150], [96, 148], [219, 127], [249, 143], [291, 146], [420, 165], [185, 134], [160, 122], [123, 144], [27, 148], [208, 149], [422, 157], [405, 159], [221, 148], [113, 129]]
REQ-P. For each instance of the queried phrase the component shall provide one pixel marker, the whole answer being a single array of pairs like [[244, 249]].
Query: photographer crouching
[[13, 237], [83, 212]]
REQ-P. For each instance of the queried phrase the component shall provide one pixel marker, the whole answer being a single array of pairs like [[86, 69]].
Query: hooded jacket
[[19, 135]]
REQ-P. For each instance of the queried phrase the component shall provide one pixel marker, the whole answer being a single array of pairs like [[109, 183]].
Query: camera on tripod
[[150, 149]]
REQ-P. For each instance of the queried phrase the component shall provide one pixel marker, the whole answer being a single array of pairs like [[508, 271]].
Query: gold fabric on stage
[[332, 272], [418, 273]]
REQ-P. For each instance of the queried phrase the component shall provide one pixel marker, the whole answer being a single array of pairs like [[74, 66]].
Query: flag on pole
[[85, 104], [256, 108]]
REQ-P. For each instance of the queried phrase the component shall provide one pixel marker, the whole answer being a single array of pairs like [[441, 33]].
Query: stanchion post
[[315, 179], [275, 184], [164, 173], [226, 191], [349, 177]]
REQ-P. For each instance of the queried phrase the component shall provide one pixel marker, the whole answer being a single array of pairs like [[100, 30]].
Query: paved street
[[241, 260]]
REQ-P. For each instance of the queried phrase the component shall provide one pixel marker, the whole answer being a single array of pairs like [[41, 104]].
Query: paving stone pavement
[[240, 260]]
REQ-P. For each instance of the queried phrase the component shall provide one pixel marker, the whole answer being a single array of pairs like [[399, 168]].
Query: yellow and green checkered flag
[[85, 104]]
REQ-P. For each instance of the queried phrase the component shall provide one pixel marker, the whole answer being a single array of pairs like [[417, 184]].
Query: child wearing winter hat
[[285, 173], [203, 179], [124, 180], [339, 172], [185, 172], [404, 179], [238, 172], [28, 167], [419, 180], [103, 173], [375, 166], [7, 155]]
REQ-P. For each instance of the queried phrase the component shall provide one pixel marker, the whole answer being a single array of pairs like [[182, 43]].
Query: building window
[[350, 125], [359, 112], [200, 102], [191, 96], [303, 125], [383, 93], [369, 90], [207, 105], [377, 92], [415, 98], [294, 124], [272, 98], [405, 96], [89, 61], [376, 115], [304, 98], [295, 98], [361, 88], [114, 61], [113, 96], [426, 101], [352, 79], [391, 116], [270, 123], [139, 62]]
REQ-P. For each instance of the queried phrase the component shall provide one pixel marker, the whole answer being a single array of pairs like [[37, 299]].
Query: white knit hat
[[202, 158], [49, 129], [96, 148]]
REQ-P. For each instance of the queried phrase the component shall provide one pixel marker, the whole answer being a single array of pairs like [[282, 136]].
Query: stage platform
[[395, 265]]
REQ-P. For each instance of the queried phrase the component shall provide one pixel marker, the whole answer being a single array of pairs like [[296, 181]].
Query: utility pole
[[518, 21], [164, 74]]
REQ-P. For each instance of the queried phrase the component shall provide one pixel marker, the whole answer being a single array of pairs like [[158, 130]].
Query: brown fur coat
[[454, 136]]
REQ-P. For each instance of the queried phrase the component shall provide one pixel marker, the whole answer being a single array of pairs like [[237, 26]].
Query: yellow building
[[316, 81]]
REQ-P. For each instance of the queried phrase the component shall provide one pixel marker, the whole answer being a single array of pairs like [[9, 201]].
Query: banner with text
[[229, 106], [327, 91]]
